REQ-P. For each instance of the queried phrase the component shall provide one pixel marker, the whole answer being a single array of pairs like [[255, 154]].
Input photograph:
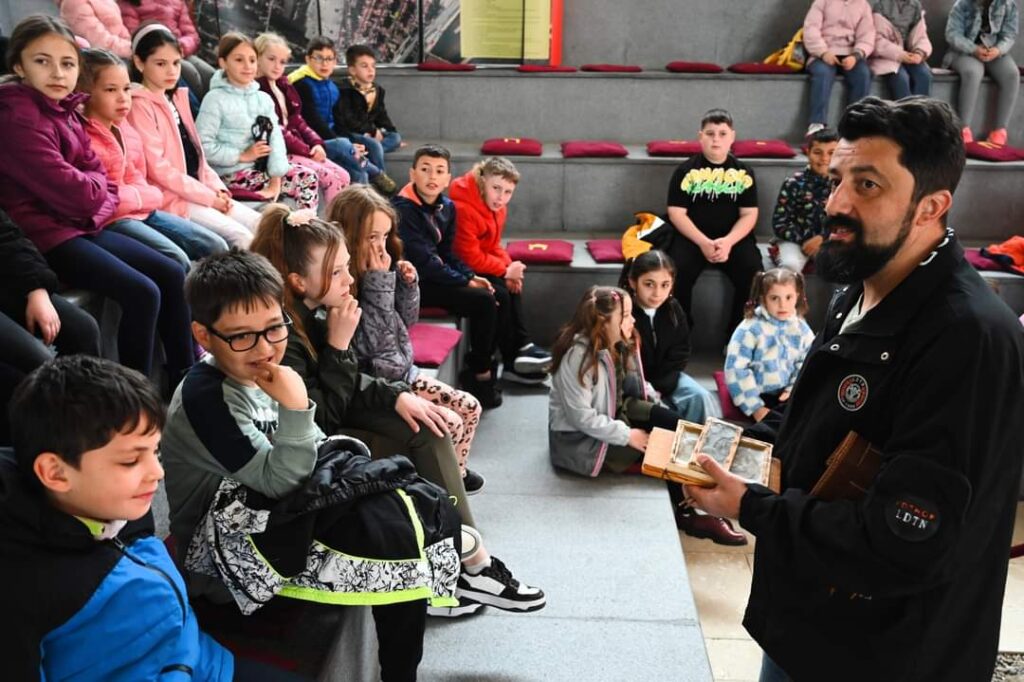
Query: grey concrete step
[[582, 196], [619, 106]]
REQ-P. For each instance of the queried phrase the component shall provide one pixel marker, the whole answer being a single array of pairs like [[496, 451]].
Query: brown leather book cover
[[852, 468]]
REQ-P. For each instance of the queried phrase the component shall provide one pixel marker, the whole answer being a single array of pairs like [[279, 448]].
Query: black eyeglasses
[[275, 333]]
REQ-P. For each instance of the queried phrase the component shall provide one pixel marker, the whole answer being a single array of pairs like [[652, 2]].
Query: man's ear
[[201, 335], [51, 471], [934, 206]]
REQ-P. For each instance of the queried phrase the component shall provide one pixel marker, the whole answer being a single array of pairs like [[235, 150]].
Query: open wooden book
[[672, 455]]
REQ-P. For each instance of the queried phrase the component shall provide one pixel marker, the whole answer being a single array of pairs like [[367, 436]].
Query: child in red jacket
[[481, 199]]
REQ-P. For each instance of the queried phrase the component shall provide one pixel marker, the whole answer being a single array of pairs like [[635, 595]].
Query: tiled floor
[[720, 579]]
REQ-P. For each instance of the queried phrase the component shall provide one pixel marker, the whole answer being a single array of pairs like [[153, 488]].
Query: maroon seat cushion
[[545, 68], [432, 343], [512, 146], [582, 148], [673, 147], [759, 67], [612, 68], [536, 251], [980, 262], [986, 151], [444, 66], [693, 67], [606, 250], [762, 149], [429, 312], [729, 409]]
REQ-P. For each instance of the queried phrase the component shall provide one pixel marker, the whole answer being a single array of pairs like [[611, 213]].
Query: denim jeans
[[191, 239], [858, 80], [911, 79], [693, 402], [340, 151], [151, 237], [770, 672], [376, 150]]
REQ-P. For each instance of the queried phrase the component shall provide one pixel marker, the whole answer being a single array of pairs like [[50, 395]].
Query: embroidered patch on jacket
[[853, 392], [912, 518]]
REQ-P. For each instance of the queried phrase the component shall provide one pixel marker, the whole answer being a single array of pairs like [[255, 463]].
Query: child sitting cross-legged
[[314, 261], [98, 597]]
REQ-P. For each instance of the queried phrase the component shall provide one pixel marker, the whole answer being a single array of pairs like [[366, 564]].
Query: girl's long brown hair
[[289, 248], [353, 210], [27, 31], [763, 281], [596, 308]]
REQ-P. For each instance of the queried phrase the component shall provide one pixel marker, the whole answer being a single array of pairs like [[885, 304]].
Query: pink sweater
[[173, 14], [99, 22], [125, 162], [152, 117], [842, 27], [889, 45]]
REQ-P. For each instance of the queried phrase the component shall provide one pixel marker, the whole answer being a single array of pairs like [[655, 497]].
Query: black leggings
[[511, 334], [479, 307]]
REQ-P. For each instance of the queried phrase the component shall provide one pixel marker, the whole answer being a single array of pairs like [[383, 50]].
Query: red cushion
[[762, 149], [693, 67], [729, 409], [579, 148], [445, 66], [544, 68], [428, 312], [432, 343], [986, 151], [612, 68], [549, 251], [512, 146], [759, 67], [673, 147], [980, 262], [606, 250]]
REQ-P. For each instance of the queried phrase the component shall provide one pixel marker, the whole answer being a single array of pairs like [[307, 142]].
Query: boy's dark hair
[[320, 43], [233, 278], [716, 116], [77, 403], [353, 53], [823, 136], [926, 130], [434, 151]]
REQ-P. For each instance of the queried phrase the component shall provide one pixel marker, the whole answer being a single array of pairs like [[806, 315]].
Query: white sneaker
[[463, 609], [495, 586], [813, 128]]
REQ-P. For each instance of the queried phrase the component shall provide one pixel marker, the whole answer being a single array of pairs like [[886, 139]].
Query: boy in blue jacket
[[94, 594]]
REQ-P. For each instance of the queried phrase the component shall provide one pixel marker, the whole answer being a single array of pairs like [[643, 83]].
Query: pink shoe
[[968, 136], [997, 137]]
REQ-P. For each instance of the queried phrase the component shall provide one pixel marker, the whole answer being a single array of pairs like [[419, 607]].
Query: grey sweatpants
[[1003, 71]]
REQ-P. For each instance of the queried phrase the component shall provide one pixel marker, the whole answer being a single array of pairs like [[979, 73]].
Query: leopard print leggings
[[461, 410]]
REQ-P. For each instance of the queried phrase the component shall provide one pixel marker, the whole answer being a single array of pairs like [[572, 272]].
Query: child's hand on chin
[[283, 384]]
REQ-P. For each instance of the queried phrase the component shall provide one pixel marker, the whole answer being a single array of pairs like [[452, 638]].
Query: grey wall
[[12, 11], [654, 32]]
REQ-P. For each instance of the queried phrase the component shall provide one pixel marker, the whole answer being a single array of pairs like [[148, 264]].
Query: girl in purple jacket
[[54, 186]]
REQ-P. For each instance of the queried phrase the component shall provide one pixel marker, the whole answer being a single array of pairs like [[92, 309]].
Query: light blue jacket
[[225, 122], [964, 24]]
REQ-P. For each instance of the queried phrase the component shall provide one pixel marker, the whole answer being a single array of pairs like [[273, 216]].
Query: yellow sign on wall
[[493, 29]]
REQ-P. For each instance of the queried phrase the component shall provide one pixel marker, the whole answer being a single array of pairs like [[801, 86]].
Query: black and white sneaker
[[464, 608], [532, 359], [532, 379], [473, 482], [495, 586]]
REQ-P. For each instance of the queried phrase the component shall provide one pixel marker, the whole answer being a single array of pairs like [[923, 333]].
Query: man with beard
[[923, 360]]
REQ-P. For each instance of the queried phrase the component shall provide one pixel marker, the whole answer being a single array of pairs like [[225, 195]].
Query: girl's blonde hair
[[595, 310], [763, 281], [265, 41], [352, 210], [289, 248]]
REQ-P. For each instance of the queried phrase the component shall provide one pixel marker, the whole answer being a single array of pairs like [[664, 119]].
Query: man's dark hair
[[926, 130], [77, 403], [823, 136], [717, 116], [434, 151], [320, 43], [232, 278], [353, 53]]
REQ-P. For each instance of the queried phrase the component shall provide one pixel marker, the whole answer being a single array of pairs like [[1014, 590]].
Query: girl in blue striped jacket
[[768, 347]]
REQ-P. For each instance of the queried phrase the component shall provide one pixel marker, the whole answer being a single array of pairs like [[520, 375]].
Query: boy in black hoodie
[[360, 113]]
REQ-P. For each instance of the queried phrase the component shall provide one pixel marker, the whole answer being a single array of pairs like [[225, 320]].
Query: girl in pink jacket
[[175, 161], [902, 48], [839, 36], [105, 79]]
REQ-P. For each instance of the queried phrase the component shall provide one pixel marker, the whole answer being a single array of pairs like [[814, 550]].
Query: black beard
[[841, 263]]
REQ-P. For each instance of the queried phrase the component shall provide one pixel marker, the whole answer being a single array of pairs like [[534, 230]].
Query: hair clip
[[301, 217]]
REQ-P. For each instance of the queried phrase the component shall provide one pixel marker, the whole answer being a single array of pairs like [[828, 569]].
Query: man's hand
[[342, 322], [811, 246], [407, 271], [415, 410], [848, 62], [41, 317], [284, 385], [638, 439], [724, 498]]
